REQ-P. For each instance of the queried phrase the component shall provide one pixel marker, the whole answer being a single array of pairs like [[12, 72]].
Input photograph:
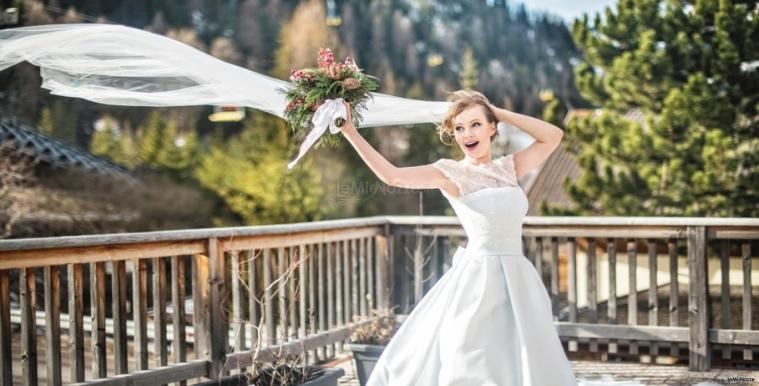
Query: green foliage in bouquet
[[310, 87]]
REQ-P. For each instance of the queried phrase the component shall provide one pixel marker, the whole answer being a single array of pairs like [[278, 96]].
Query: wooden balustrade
[[177, 306]]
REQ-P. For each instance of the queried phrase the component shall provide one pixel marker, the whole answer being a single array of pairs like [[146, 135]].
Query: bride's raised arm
[[412, 177]]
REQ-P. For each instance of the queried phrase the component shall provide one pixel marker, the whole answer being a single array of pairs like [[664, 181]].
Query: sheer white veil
[[120, 65]]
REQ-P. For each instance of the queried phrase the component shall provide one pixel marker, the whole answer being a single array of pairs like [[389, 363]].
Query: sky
[[567, 9]]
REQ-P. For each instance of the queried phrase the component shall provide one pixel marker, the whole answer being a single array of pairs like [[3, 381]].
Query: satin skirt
[[486, 322]]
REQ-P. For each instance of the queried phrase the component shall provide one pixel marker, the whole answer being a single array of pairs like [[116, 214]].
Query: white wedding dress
[[487, 321]]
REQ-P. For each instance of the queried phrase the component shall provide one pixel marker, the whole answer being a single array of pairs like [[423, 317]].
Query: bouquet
[[315, 99]]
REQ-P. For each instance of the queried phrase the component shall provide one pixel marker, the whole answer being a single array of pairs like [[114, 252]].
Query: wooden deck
[[653, 375]]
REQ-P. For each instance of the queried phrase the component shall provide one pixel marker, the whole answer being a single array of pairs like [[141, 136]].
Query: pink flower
[[335, 70], [326, 58], [297, 75]]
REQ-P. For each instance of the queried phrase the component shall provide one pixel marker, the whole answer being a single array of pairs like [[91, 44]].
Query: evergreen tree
[[677, 87], [162, 147], [60, 120], [151, 140], [469, 73], [249, 172], [47, 125], [106, 140]]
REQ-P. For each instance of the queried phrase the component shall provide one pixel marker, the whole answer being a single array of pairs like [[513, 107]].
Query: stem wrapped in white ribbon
[[324, 117]]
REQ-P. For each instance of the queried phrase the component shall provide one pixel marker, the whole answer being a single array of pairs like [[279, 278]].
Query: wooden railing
[[176, 306], [675, 265]]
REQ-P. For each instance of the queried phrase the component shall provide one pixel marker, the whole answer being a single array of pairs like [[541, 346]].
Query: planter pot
[[365, 355], [329, 378]]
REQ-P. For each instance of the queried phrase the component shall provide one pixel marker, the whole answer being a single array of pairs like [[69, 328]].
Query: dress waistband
[[503, 245]]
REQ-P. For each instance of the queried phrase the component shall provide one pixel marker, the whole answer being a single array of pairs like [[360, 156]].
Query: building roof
[[45, 149], [547, 183]]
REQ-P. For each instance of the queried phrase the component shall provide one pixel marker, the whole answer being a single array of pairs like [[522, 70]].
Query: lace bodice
[[470, 178]]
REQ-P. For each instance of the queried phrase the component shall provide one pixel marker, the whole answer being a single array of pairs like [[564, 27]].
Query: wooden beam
[[99, 253], [156, 376]]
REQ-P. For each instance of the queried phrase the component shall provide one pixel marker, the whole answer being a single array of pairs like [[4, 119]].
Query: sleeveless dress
[[487, 321]]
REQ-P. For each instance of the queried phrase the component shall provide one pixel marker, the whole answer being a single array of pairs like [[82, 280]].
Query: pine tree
[[469, 73], [249, 172], [60, 120], [106, 140], [151, 140], [162, 146], [47, 125], [676, 85]]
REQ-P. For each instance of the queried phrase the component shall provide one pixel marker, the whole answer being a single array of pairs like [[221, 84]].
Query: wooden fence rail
[[177, 306]]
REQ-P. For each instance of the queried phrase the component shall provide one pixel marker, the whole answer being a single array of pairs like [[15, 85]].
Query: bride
[[488, 320]]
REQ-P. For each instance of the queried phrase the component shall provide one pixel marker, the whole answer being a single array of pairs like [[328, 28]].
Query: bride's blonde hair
[[463, 99]]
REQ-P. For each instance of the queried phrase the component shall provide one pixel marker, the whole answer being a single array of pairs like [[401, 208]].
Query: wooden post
[[27, 287], [253, 298], [312, 328], [53, 324], [118, 294], [6, 372], [592, 295], [217, 296], [302, 290], [363, 293], [611, 251], [331, 305], [632, 294], [76, 326], [699, 358], [178, 314], [271, 327], [97, 302], [555, 278], [354, 282], [159, 312], [292, 299], [746, 305], [238, 321], [724, 258], [418, 268], [383, 271], [572, 288], [674, 293], [653, 295], [282, 295], [140, 313], [322, 265]]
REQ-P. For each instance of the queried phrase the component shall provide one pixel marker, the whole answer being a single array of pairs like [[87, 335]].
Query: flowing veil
[[120, 65]]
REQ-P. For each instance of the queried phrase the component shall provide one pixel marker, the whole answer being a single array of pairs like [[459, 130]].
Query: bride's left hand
[[348, 118]]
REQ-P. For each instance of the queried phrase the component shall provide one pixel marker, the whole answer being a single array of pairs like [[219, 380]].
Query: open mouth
[[471, 145]]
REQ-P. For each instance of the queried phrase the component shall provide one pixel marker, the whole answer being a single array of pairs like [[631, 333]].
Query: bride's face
[[472, 132]]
